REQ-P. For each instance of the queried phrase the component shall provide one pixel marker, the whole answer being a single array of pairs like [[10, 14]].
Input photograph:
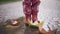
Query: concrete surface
[[48, 10], [11, 10]]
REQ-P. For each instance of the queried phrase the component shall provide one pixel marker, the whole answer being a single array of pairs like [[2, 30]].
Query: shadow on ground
[[6, 28]]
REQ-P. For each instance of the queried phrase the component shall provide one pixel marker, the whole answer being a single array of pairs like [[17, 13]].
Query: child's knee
[[27, 10]]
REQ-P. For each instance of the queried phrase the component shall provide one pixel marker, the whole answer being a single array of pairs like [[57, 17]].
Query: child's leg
[[34, 14], [27, 18], [34, 17], [27, 12], [35, 4]]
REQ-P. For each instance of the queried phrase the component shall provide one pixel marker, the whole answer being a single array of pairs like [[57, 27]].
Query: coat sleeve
[[36, 3], [27, 2]]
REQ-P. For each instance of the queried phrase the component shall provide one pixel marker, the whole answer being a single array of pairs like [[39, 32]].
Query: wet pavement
[[2, 30], [19, 30]]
